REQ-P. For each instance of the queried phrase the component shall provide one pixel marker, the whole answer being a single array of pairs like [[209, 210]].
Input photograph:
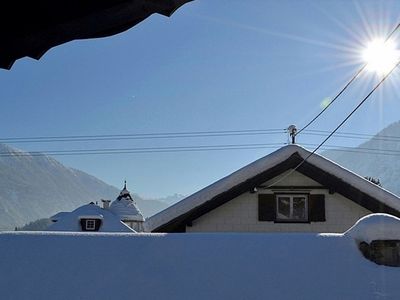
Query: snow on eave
[[260, 166], [98, 217]]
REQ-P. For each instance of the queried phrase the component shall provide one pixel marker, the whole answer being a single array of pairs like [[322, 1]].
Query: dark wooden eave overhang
[[324, 178], [30, 28]]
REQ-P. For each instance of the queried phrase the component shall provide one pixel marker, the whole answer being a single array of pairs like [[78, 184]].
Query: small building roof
[[58, 216], [328, 173], [125, 207], [71, 221]]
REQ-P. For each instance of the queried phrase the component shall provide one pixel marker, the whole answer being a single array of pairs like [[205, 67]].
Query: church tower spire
[[125, 207]]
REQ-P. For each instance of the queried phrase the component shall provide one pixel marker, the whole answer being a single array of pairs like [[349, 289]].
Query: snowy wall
[[241, 213], [189, 266]]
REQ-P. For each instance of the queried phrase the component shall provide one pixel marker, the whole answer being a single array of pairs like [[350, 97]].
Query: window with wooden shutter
[[316, 208], [266, 207], [290, 207]]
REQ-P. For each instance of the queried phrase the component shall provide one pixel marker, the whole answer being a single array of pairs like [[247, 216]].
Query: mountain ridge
[[36, 186], [380, 163]]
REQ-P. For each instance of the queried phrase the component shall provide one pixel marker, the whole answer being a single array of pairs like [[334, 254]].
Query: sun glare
[[381, 56]]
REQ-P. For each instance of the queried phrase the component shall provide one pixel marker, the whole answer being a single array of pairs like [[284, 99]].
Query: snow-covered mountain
[[34, 187], [383, 164], [172, 199]]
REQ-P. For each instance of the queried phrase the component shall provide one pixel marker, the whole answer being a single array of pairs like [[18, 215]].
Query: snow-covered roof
[[49, 265], [261, 165], [71, 221], [125, 207], [58, 216]]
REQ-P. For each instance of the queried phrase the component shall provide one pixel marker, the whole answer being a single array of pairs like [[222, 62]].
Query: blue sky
[[212, 66]]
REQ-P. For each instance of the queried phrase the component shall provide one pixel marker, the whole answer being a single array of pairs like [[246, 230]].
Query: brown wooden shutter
[[316, 208], [266, 207]]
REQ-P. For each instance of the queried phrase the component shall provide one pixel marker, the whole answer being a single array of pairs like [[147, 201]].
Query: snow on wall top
[[51, 265], [375, 227], [71, 221], [258, 167]]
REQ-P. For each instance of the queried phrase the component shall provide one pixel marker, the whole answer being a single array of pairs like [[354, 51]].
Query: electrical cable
[[361, 136], [344, 88], [143, 150], [340, 124], [86, 138], [364, 150]]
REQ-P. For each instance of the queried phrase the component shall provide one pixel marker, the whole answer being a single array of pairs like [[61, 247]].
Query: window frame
[[306, 196], [90, 228]]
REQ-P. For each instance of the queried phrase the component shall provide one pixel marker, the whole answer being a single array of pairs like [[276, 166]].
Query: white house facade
[[278, 194], [289, 214]]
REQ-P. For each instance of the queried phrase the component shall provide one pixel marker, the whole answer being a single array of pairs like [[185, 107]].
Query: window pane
[[283, 208], [90, 224], [299, 208]]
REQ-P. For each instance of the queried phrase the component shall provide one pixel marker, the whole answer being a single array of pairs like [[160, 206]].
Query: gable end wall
[[241, 213]]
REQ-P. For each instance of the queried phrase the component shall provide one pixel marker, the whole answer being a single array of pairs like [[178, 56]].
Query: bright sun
[[381, 56]]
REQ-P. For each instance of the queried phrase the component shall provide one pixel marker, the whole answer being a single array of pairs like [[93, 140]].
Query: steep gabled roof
[[326, 172], [125, 207]]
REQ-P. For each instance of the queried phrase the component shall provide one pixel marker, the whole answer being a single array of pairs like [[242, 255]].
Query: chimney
[[106, 203]]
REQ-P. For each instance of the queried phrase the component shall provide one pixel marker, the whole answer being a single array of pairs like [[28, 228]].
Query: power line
[[254, 133], [340, 124], [98, 151], [333, 100], [344, 88], [365, 150], [177, 135], [143, 150], [200, 134], [192, 134], [189, 134], [358, 136], [355, 109]]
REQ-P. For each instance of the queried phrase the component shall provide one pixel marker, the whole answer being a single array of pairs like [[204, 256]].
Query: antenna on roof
[[292, 130], [124, 185]]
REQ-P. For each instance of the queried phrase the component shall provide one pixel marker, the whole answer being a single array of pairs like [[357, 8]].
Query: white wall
[[135, 225], [241, 214]]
